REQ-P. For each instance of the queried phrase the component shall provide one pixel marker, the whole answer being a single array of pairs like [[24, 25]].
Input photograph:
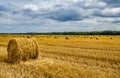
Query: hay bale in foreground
[[22, 49]]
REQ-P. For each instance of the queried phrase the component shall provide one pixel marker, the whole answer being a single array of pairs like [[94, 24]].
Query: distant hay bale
[[29, 36], [111, 38], [55, 37], [22, 49], [97, 38], [66, 38]]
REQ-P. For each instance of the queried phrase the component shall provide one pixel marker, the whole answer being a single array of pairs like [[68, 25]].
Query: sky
[[21, 16]]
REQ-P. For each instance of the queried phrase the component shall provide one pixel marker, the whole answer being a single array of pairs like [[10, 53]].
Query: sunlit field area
[[69, 56]]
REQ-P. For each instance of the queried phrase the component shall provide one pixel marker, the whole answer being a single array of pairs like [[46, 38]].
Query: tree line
[[72, 33]]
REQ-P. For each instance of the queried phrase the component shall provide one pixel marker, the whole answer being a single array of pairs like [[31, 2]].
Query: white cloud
[[111, 11], [94, 4], [77, 0], [108, 12], [31, 7]]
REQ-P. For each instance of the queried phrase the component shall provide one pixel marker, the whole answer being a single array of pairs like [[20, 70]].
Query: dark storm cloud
[[66, 15], [62, 15]]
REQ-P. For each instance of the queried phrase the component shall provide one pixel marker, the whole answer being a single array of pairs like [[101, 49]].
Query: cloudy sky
[[59, 15]]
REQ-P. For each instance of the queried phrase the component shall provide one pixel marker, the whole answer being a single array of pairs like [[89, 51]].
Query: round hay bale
[[22, 49], [66, 38], [111, 38], [55, 37], [29, 36], [97, 38]]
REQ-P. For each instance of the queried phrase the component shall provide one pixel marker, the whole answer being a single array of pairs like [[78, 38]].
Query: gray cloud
[[3, 9], [91, 4], [116, 21], [108, 12], [112, 3], [111, 22], [61, 14]]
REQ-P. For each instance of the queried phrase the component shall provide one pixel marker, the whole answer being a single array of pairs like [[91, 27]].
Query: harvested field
[[75, 57]]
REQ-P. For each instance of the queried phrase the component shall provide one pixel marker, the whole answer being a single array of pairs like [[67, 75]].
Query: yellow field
[[66, 57]]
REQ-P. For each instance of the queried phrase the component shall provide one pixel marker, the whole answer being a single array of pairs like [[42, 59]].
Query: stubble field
[[66, 57]]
